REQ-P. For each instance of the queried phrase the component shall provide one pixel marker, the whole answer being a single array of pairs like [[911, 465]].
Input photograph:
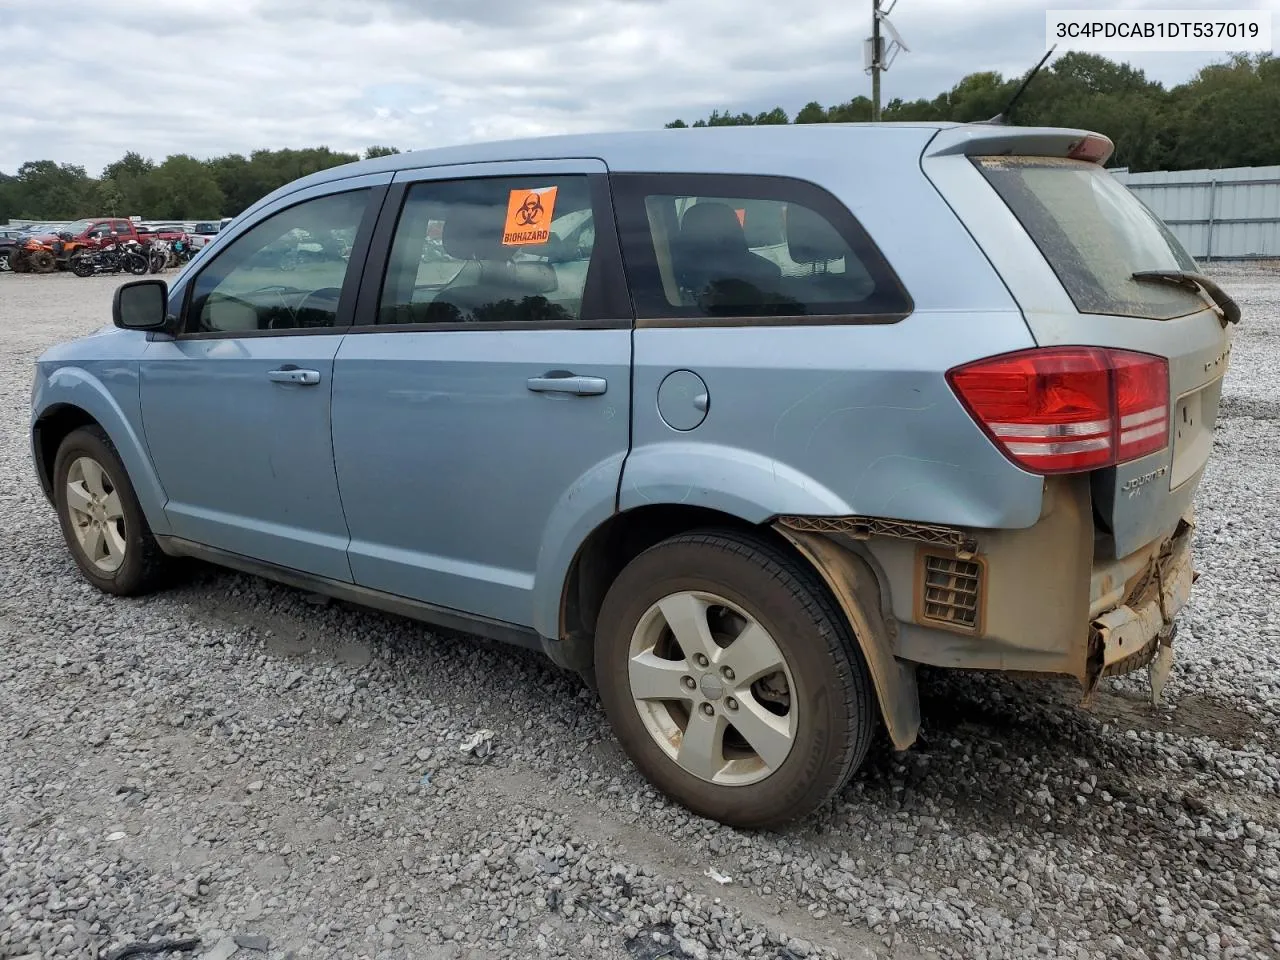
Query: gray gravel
[[231, 761]]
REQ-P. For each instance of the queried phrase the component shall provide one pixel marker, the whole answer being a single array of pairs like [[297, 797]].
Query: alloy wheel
[[96, 514], [712, 688]]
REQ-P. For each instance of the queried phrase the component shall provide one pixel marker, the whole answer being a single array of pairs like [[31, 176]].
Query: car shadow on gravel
[[997, 752]]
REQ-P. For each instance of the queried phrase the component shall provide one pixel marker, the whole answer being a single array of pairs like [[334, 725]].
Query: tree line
[[1227, 115], [179, 188]]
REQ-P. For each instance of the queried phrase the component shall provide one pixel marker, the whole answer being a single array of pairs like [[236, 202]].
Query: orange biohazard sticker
[[529, 214]]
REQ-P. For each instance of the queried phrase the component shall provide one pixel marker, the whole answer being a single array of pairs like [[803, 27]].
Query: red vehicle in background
[[164, 231]]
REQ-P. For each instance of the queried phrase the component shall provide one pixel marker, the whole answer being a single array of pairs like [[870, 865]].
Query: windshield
[[1095, 234], [80, 226]]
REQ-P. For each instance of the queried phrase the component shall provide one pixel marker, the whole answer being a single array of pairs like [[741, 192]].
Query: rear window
[[1095, 234], [712, 247]]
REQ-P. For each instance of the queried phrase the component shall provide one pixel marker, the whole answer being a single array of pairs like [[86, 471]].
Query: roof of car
[[740, 149], [620, 150]]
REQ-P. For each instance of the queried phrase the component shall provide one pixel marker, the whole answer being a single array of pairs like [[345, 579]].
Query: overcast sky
[[85, 82]]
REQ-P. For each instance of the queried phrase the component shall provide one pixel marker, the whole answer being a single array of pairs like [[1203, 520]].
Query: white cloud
[[85, 85]]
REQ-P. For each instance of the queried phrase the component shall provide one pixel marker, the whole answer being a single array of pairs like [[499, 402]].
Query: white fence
[[1227, 214]]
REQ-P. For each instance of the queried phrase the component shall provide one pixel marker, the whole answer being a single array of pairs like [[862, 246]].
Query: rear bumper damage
[[1139, 631], [1046, 600]]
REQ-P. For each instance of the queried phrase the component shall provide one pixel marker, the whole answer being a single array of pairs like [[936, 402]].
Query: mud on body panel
[[1043, 600]]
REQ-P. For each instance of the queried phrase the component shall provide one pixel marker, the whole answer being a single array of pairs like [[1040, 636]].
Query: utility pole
[[877, 60], [875, 50]]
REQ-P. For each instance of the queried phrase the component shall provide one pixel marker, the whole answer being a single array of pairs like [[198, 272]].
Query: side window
[[121, 227], [491, 250], [284, 273], [701, 246], [101, 230]]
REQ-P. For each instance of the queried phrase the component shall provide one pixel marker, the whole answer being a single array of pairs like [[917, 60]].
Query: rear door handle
[[579, 386], [294, 375]]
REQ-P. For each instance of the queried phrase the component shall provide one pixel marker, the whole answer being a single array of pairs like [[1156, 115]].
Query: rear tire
[[82, 265], [102, 521], [732, 680]]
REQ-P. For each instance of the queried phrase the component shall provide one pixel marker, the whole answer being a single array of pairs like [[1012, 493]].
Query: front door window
[[285, 273]]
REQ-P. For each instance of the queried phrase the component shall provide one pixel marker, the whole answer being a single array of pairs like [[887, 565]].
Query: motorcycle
[[158, 253], [180, 252], [111, 258]]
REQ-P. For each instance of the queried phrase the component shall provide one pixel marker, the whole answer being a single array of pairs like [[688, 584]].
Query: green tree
[[185, 188], [133, 178], [45, 189], [812, 112], [1227, 115], [377, 151], [111, 198]]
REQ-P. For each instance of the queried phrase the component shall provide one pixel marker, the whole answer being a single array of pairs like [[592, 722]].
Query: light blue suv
[[742, 424]]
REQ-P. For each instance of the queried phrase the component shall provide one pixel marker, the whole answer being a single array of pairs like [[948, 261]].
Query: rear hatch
[[1091, 266]]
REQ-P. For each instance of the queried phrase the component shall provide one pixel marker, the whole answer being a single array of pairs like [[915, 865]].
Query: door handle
[[579, 386], [294, 375]]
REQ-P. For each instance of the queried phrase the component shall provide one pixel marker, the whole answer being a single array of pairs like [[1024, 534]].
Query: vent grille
[[952, 592]]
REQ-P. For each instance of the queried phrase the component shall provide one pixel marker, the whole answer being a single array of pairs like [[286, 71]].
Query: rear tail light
[[1068, 409]]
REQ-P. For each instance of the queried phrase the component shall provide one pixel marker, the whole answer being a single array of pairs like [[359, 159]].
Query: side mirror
[[141, 305]]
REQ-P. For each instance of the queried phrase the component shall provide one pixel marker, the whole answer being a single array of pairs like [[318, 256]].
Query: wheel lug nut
[[730, 703], [727, 673], [701, 660], [708, 709], [689, 683]]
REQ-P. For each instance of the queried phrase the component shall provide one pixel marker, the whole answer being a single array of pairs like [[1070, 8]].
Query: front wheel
[[82, 265], [102, 521], [136, 264], [732, 679]]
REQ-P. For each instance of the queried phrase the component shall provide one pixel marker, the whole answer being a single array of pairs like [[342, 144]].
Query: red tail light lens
[[1142, 404], [1068, 409]]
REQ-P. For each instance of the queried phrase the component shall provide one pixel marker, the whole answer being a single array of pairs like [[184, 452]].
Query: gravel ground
[[229, 759]]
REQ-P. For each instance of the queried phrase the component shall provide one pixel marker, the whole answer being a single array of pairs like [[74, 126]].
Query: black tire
[[82, 265], [144, 564], [830, 687], [43, 261], [136, 264]]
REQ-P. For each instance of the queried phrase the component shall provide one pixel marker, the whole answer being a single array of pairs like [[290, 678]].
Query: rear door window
[[1095, 235], [504, 250], [704, 246]]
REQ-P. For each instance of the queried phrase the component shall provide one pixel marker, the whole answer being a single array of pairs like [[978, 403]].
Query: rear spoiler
[[996, 140]]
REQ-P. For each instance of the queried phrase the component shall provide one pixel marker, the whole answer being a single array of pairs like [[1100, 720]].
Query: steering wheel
[[323, 301]]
